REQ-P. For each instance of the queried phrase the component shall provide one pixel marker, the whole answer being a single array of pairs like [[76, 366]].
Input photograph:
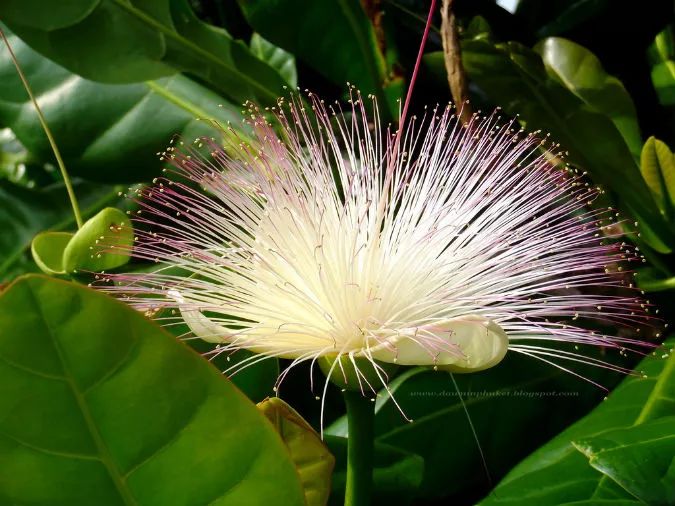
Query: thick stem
[[360, 418], [50, 137]]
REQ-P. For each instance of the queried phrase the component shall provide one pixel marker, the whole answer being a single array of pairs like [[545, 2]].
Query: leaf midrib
[[632, 445], [194, 48], [668, 370], [644, 412], [105, 456]]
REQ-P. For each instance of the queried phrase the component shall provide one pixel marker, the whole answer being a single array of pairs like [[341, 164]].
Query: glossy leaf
[[124, 41], [103, 242], [515, 78], [14, 160], [657, 164], [652, 280], [104, 132], [113, 410], [334, 37], [539, 400], [47, 249], [312, 459], [256, 378], [662, 58], [558, 473], [276, 57], [578, 70], [641, 459], [397, 474], [26, 212], [32, 13]]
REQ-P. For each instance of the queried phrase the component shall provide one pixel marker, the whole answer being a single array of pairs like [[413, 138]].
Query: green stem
[[50, 137], [360, 418]]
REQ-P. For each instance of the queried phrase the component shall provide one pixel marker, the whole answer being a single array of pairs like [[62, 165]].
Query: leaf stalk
[[48, 132]]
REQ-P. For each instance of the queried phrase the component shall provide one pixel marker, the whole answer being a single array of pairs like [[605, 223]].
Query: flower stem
[[50, 137], [360, 418]]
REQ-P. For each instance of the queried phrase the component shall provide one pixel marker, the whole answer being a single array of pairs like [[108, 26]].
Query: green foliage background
[[117, 79]]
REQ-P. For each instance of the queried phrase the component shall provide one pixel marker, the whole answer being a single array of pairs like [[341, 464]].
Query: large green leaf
[[641, 458], [335, 37], [558, 473], [537, 401], [578, 70], [123, 41], [256, 378], [100, 406], [104, 132], [281, 60], [514, 77], [25, 212]]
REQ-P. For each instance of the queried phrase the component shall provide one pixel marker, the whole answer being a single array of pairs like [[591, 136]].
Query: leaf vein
[[67, 455]]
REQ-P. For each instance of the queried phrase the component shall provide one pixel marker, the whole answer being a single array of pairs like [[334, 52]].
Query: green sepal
[[91, 247], [47, 249]]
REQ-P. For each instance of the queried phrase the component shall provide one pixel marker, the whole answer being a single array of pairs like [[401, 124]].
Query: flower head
[[328, 236]]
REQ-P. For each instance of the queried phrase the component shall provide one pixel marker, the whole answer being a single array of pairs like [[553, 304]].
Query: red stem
[[432, 8], [401, 123]]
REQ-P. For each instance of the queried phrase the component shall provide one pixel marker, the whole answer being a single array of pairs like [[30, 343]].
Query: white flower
[[333, 239]]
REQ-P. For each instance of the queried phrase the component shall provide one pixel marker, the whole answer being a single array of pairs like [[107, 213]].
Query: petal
[[289, 344], [200, 325], [473, 343], [204, 328]]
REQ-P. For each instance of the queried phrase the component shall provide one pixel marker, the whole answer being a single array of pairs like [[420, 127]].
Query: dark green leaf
[[256, 378], [33, 14], [578, 70], [540, 401], [641, 458], [104, 132], [123, 41], [279, 59], [604, 502], [114, 411], [558, 473], [335, 37], [652, 280], [515, 78], [253, 376], [312, 459], [397, 474]]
